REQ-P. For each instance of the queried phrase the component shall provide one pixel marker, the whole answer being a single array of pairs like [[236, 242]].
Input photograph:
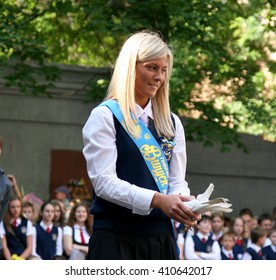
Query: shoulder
[[67, 230], [100, 115], [101, 112]]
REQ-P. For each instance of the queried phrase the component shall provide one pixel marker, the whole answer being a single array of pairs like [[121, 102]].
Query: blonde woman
[[136, 157]]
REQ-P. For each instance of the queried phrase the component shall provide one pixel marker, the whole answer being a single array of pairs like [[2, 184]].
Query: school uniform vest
[[253, 254], [17, 242], [268, 253], [203, 247], [239, 249], [46, 242], [224, 257], [130, 166]]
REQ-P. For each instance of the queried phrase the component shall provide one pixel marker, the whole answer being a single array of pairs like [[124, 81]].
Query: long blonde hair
[[142, 46]]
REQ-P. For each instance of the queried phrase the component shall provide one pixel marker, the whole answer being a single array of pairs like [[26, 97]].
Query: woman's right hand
[[172, 205]]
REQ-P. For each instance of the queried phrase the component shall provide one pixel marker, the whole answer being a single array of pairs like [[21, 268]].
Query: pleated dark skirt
[[113, 245]]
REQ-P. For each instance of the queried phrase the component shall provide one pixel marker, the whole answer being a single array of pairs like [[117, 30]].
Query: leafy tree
[[224, 74]]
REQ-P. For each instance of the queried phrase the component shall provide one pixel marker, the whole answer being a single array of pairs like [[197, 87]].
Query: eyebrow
[[155, 64]]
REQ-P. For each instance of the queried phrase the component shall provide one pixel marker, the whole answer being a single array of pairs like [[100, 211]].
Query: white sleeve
[[67, 231], [214, 255], [180, 239], [177, 183], [99, 137], [190, 253], [246, 256], [34, 253], [30, 229], [2, 229], [59, 247]]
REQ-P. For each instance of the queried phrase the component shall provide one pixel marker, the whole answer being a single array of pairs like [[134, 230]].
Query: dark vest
[[268, 253], [46, 242], [203, 247], [224, 257], [17, 242], [253, 254], [130, 166]]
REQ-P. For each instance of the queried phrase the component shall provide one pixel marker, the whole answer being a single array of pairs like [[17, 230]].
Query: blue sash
[[150, 150]]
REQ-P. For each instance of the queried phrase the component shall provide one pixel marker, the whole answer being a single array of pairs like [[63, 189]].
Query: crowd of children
[[54, 232], [216, 237], [58, 233]]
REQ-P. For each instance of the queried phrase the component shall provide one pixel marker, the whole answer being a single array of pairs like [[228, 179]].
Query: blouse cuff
[[142, 201]]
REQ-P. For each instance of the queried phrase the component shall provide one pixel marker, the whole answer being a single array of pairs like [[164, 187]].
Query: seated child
[[254, 251], [227, 243], [29, 211], [269, 252], [201, 245]]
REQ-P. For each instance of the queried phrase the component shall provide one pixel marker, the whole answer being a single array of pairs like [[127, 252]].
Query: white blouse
[[99, 137], [67, 230]]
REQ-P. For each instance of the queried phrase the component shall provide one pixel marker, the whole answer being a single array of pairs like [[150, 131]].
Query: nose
[[158, 76]]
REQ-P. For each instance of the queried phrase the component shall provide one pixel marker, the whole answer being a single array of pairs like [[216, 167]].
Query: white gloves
[[202, 203]]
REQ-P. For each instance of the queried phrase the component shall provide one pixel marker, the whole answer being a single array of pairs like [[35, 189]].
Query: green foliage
[[224, 71]]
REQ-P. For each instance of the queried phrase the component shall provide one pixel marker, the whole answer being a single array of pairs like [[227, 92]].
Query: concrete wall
[[34, 126], [248, 180]]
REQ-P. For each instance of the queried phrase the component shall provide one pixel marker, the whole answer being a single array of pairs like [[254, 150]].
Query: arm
[[34, 253], [59, 248], [6, 251], [214, 255], [173, 207], [246, 256], [68, 244], [81, 248], [29, 248], [67, 240], [5, 194], [190, 253], [180, 244], [16, 190], [28, 251]]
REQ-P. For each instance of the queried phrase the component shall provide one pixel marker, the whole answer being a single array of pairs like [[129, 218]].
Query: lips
[[154, 86]]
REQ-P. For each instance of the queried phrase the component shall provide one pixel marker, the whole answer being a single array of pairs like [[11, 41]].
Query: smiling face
[[81, 214], [205, 226], [150, 75]]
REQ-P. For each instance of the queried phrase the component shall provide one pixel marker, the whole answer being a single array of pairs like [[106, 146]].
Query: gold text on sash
[[151, 154]]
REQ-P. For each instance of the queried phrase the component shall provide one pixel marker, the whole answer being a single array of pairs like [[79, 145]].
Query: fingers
[[185, 216], [186, 197], [173, 207]]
